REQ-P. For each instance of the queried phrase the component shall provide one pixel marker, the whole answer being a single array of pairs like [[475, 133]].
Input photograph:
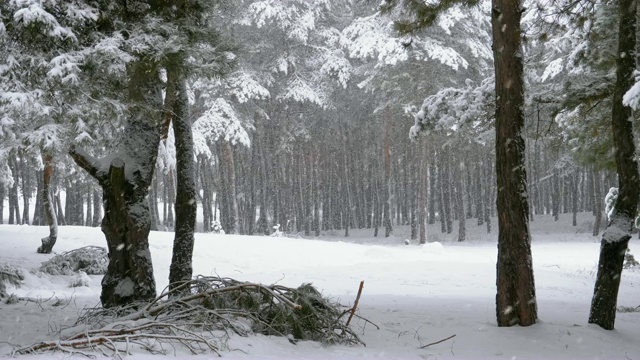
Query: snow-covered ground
[[415, 294]]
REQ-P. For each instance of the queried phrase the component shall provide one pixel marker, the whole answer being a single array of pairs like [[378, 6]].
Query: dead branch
[[438, 342], [199, 314], [355, 304]]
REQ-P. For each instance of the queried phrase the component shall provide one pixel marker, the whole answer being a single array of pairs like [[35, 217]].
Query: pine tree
[[618, 233]]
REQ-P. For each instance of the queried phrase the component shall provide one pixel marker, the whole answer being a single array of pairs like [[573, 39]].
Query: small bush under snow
[[80, 280], [11, 275], [92, 260]]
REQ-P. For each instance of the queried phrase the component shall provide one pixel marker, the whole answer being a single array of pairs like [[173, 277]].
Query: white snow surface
[[416, 294]]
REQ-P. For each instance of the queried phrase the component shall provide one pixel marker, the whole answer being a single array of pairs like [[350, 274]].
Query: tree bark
[[516, 298], [125, 183], [423, 177], [462, 223], [226, 154], [597, 201], [47, 202], [26, 189], [181, 268], [616, 237], [97, 209], [386, 155]]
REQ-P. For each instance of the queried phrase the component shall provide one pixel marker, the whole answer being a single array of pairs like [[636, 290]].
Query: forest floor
[[416, 294]]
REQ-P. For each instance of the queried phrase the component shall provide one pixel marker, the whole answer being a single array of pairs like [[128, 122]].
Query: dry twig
[[438, 342]]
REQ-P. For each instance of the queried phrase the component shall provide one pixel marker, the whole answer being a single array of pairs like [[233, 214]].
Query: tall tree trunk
[[575, 183], [127, 221], [555, 199], [26, 190], [59, 212], [47, 201], [3, 192], [38, 214], [181, 268], [97, 209], [516, 297], [14, 206], [386, 155], [489, 200], [459, 176], [597, 202], [432, 192], [478, 189], [423, 177], [616, 237], [446, 189], [230, 178]]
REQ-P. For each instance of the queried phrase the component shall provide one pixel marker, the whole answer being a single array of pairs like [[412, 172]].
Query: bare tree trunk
[[462, 223], [97, 209], [181, 268], [423, 177], [386, 155], [230, 178], [598, 200], [14, 206], [516, 297], [616, 237], [49, 241], [26, 189], [3, 191]]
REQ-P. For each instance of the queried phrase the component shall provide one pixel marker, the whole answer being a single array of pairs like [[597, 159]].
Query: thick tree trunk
[[47, 201], [516, 297], [181, 268], [617, 235], [125, 183], [226, 154]]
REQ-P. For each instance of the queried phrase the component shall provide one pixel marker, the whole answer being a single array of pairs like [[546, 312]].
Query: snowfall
[[415, 294]]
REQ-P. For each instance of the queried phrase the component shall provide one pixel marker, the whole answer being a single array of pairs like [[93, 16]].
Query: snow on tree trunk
[[181, 268], [516, 298], [47, 202], [616, 237], [125, 178]]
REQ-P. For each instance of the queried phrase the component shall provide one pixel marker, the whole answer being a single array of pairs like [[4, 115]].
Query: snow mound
[[435, 248]]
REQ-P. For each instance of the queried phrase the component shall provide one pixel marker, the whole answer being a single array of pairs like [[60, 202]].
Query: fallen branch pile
[[200, 314]]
